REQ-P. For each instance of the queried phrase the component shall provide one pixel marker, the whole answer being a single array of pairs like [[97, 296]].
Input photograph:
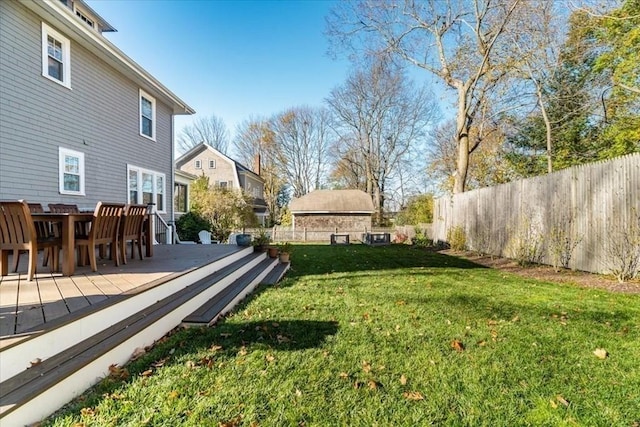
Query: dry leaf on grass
[[457, 345], [173, 394], [343, 375], [562, 400], [601, 353], [413, 395], [147, 373], [403, 380], [270, 358], [366, 366], [137, 353], [374, 385]]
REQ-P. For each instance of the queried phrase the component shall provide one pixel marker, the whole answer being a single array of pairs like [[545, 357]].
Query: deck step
[[35, 383], [209, 312], [276, 274]]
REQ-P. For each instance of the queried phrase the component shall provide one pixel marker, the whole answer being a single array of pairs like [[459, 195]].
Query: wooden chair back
[[106, 221], [17, 230], [131, 228]]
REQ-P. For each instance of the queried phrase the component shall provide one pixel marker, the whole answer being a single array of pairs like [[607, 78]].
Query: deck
[[29, 307]]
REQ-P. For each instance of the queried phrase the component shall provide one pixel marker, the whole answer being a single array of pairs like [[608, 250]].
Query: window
[[56, 56], [212, 164], [147, 115], [84, 18], [198, 164], [71, 172], [146, 187], [180, 201]]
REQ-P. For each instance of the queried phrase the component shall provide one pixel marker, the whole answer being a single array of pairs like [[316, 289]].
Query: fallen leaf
[[35, 362], [275, 324], [298, 393], [242, 351], [282, 338], [343, 375], [87, 412], [413, 395], [457, 345], [482, 343], [554, 405], [137, 353], [270, 358], [215, 348], [515, 319], [373, 385], [562, 400], [173, 395], [601, 353], [231, 423], [147, 373], [366, 366], [403, 380], [225, 335]]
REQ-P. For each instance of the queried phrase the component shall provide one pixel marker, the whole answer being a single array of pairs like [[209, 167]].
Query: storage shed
[[344, 210]]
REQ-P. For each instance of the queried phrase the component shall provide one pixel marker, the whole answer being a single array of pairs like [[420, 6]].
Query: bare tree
[[457, 41], [379, 116], [302, 140], [210, 130], [255, 142]]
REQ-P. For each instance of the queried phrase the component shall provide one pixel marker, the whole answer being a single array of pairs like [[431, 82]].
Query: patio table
[[67, 220]]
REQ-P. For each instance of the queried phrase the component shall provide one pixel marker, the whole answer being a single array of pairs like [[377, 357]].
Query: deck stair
[[65, 367]]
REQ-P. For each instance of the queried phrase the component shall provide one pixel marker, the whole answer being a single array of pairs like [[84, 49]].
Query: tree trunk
[[547, 125], [462, 138]]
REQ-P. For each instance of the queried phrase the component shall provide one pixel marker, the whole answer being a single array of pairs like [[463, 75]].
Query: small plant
[[622, 250], [262, 238], [525, 245], [561, 244], [457, 238], [285, 248], [421, 239]]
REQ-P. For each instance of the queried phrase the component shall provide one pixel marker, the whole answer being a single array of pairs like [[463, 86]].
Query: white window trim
[[212, 164], [140, 171], [66, 56], [153, 113], [62, 152], [197, 164]]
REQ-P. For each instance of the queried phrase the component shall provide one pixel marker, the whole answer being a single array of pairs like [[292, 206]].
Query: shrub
[[525, 245], [561, 244], [190, 224], [457, 238], [622, 251], [421, 239]]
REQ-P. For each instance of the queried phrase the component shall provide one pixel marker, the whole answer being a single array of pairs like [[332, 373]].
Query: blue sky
[[235, 59]]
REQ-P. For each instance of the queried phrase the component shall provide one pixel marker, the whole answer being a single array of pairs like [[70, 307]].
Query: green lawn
[[389, 336]]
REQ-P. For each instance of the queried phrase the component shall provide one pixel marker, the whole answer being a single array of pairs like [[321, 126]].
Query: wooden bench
[[339, 239]]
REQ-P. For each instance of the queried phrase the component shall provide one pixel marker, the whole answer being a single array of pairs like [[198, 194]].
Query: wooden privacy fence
[[590, 209]]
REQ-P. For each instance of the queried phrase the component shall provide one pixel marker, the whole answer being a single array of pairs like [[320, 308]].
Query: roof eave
[[57, 14]]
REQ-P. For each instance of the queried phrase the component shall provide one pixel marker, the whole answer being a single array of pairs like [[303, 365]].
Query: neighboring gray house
[[79, 120], [223, 171], [346, 210]]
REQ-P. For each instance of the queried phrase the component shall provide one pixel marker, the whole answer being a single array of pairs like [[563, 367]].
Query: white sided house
[[225, 172]]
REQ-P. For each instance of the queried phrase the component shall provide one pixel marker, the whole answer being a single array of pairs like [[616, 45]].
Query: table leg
[[148, 230], [68, 246]]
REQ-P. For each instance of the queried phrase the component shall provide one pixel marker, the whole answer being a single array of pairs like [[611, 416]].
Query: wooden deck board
[[70, 293], [53, 305], [29, 306], [52, 296], [8, 305]]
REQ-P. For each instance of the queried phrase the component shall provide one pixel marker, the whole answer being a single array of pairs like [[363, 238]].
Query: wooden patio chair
[[43, 230], [104, 230], [18, 232], [131, 229]]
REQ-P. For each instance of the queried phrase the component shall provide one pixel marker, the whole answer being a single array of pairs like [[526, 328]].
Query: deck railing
[[161, 231]]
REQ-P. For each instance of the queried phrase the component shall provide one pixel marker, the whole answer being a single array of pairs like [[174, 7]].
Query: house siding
[[222, 172], [98, 117]]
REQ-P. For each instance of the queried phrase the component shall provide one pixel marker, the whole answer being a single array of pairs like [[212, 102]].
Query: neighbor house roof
[[59, 15], [332, 201]]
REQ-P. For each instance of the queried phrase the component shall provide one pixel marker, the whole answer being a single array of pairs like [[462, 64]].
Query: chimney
[[256, 164]]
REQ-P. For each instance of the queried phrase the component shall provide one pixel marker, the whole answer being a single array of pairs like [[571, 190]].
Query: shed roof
[[333, 201]]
